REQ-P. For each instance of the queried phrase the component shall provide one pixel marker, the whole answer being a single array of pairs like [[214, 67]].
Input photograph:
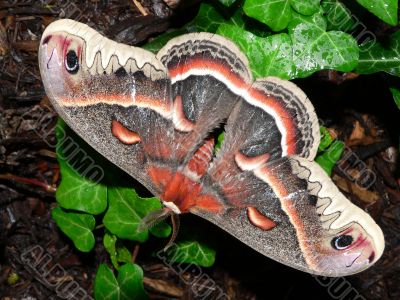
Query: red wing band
[[238, 86], [159, 106], [287, 204]]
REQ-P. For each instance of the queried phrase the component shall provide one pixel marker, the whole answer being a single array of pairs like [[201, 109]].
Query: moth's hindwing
[[290, 210]]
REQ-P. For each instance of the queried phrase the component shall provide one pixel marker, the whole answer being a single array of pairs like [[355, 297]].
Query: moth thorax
[[172, 206]]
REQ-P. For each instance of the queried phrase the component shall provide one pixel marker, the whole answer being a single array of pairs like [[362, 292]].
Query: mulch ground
[[358, 110]]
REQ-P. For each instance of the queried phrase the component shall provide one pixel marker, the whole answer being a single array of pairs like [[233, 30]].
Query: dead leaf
[[352, 188]]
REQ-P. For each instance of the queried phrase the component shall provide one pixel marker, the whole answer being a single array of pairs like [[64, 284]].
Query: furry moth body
[[151, 115]]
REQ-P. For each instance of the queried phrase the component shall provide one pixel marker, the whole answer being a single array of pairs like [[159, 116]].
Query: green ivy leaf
[[130, 280], [305, 7], [105, 284], [125, 212], [396, 96], [118, 252], [208, 19], [316, 49], [219, 141], [328, 159], [127, 286], [394, 71], [386, 10], [161, 230], [338, 16], [191, 252], [275, 13], [79, 193], [76, 191], [227, 2], [326, 139], [270, 56], [376, 56], [109, 242], [77, 226], [239, 19], [156, 44], [124, 255]]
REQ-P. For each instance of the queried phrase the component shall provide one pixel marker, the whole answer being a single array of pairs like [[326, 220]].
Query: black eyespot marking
[[313, 200], [46, 39], [121, 72], [371, 257], [72, 62], [341, 242]]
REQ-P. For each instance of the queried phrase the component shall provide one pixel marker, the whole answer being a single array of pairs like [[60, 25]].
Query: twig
[[45, 186], [163, 287], [140, 7], [135, 253], [99, 226]]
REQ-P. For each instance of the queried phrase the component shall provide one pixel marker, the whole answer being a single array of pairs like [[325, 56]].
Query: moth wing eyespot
[[341, 242], [72, 62]]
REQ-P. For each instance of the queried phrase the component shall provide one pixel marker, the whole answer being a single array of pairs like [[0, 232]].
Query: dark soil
[[359, 110]]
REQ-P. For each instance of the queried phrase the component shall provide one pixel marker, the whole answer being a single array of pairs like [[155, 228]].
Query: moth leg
[[175, 229], [154, 218]]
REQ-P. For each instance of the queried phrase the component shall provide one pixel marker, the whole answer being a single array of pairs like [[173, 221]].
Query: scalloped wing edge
[[334, 207]]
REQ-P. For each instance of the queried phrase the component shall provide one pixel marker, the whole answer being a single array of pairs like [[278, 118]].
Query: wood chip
[[4, 47], [163, 287], [358, 132], [28, 46]]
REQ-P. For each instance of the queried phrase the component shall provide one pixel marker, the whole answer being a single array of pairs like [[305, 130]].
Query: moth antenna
[[175, 229], [154, 218]]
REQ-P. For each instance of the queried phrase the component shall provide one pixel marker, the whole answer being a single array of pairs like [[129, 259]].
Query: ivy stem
[[135, 253]]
